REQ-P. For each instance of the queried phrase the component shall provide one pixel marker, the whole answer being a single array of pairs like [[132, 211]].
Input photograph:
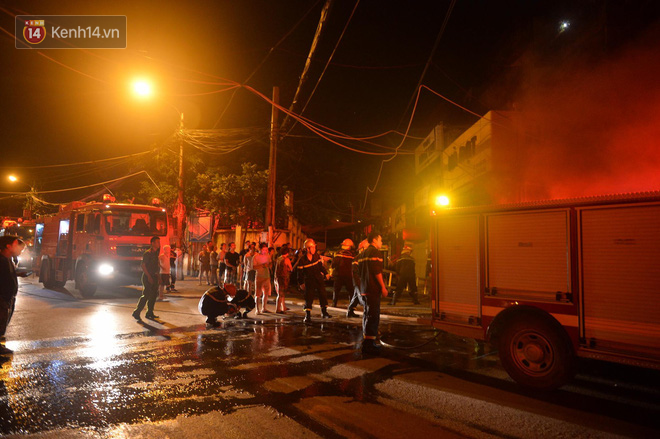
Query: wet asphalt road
[[85, 368]]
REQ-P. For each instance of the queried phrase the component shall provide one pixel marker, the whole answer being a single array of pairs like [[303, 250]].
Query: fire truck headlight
[[106, 269]]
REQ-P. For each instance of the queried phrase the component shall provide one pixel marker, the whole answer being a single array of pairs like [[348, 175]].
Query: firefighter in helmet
[[342, 270], [405, 272], [311, 276], [372, 288]]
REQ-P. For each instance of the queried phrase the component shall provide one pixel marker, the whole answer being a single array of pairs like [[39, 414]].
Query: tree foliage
[[236, 198], [163, 168]]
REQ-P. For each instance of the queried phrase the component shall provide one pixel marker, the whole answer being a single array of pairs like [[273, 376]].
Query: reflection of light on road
[[102, 344]]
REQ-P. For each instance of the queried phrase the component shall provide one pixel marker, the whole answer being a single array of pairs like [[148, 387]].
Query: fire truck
[[548, 282], [97, 242]]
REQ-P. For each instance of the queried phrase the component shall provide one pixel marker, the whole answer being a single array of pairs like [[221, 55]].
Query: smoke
[[592, 129]]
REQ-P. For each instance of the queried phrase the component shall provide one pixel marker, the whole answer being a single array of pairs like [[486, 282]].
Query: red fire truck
[[548, 282], [96, 242]]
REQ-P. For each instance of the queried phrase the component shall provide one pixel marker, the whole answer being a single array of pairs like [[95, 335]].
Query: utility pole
[[272, 166], [180, 208]]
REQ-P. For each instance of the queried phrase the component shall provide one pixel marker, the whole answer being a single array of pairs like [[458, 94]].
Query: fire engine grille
[[132, 250]]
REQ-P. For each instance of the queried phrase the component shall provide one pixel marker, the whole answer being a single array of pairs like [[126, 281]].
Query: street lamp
[[144, 90], [29, 195]]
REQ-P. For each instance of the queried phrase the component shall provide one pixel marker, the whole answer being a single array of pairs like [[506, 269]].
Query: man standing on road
[[232, 259], [311, 275], [342, 272], [173, 258], [372, 287], [261, 265], [150, 271], [10, 247], [356, 299], [221, 263], [405, 273], [283, 271]]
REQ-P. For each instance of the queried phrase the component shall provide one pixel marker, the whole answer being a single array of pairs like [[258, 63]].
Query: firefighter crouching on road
[[372, 287], [405, 273], [218, 301], [241, 299], [213, 304], [342, 270], [150, 272], [311, 276]]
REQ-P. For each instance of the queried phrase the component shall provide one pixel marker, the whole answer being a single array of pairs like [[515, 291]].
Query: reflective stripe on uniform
[[309, 265], [217, 300]]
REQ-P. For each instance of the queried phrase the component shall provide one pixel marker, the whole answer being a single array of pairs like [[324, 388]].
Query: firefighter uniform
[[355, 300], [370, 264], [311, 273], [242, 299], [213, 304], [342, 274], [405, 271], [149, 289]]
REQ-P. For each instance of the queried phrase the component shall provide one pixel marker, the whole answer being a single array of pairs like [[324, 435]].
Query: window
[[135, 223], [93, 224], [63, 238], [80, 222]]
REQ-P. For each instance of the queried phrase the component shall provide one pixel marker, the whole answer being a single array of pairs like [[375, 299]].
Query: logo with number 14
[[34, 31]]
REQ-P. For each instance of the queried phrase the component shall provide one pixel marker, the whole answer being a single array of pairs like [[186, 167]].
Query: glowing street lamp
[[29, 195], [142, 88], [442, 201]]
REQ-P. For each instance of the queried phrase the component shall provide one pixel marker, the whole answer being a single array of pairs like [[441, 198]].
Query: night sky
[[55, 115]]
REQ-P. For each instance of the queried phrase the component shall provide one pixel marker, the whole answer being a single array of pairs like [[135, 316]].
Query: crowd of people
[[255, 272], [240, 282]]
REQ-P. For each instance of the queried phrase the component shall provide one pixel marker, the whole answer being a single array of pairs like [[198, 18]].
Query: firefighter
[[213, 304], [372, 287], [355, 301], [342, 270], [311, 276], [150, 270], [240, 299], [405, 273]]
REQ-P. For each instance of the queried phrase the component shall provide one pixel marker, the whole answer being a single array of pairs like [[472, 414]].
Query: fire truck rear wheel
[[83, 282], [536, 353]]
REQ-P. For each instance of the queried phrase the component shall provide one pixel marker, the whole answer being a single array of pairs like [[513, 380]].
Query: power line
[[77, 163], [428, 62], [295, 26], [318, 81], [79, 187]]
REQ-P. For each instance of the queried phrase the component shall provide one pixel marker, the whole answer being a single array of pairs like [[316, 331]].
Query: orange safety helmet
[[347, 243], [363, 244], [309, 243], [406, 249]]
